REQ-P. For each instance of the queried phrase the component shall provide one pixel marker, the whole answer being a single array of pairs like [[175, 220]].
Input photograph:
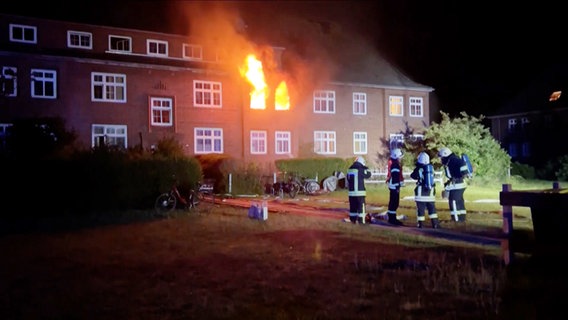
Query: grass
[[223, 265]]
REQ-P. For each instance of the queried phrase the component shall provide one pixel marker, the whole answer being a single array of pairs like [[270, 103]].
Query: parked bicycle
[[293, 184], [201, 196]]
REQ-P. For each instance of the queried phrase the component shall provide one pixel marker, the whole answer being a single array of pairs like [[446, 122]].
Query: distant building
[[531, 127], [129, 87]]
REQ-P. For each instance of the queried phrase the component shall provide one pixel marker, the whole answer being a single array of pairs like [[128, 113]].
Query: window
[[22, 33], [526, 149], [359, 103], [157, 48], [360, 142], [4, 133], [396, 140], [108, 87], [8, 82], [396, 106], [78, 39], [416, 107], [525, 122], [206, 94], [161, 111], [208, 140], [192, 52], [324, 142], [324, 101], [109, 135], [282, 142], [257, 142], [513, 150], [512, 124], [119, 44], [43, 83]]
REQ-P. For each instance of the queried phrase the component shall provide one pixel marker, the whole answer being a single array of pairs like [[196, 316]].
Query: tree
[[466, 134]]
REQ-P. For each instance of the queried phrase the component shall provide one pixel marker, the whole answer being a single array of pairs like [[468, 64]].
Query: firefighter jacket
[[425, 189], [455, 170], [356, 175], [394, 174]]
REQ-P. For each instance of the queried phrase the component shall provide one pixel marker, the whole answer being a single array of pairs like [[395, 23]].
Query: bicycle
[[173, 199]]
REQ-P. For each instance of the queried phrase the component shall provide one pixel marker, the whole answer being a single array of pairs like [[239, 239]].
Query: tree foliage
[[467, 134]]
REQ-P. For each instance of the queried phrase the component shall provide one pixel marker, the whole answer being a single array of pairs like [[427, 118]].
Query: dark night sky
[[475, 54]]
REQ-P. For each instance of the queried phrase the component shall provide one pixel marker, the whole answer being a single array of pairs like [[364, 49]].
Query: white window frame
[[258, 142], [359, 103], [192, 52], [157, 48], [396, 140], [512, 124], [360, 142], [23, 33], [43, 83], [207, 140], [111, 87], [396, 106], [207, 94], [282, 142], [9, 74], [79, 39], [325, 142], [112, 134], [116, 44], [161, 111], [416, 106], [324, 101]]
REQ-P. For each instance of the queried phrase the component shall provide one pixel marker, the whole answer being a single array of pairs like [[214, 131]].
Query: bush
[[523, 170]]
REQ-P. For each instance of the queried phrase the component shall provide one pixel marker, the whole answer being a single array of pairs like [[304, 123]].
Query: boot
[[392, 220], [435, 223], [420, 224], [461, 218]]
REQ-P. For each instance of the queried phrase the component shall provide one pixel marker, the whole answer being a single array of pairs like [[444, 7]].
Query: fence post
[[230, 183], [555, 185], [507, 212]]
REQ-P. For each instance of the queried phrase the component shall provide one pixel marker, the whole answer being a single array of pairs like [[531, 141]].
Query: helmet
[[444, 152], [423, 158], [360, 159], [396, 154]]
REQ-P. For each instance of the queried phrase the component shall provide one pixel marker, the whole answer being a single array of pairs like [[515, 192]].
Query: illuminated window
[[206, 94], [324, 142], [157, 48], [119, 44], [257, 142], [360, 142], [22, 33], [109, 135], [359, 103], [283, 142], [80, 40], [108, 87], [9, 82], [324, 101], [161, 111], [416, 107], [192, 52], [208, 140], [396, 106], [43, 83]]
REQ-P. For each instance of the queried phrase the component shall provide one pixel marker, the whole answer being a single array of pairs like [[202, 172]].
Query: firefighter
[[356, 175], [425, 191], [394, 181], [455, 170]]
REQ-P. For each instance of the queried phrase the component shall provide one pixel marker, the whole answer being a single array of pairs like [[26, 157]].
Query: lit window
[[257, 142], [161, 111], [43, 83], [119, 44], [324, 142], [416, 107], [360, 142], [157, 48], [396, 106], [359, 103], [108, 87], [78, 39], [206, 94], [192, 52], [23, 34], [208, 140], [283, 141], [324, 101], [109, 135]]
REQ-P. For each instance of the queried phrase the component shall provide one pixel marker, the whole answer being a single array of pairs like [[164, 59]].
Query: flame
[[555, 96], [254, 73], [282, 99]]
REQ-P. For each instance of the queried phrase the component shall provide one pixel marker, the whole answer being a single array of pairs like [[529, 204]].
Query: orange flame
[[282, 98], [254, 73]]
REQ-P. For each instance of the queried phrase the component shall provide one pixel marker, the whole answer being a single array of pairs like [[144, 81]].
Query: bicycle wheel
[[165, 203], [194, 199], [294, 188]]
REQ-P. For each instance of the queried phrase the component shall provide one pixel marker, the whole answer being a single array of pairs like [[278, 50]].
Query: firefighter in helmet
[[356, 175], [425, 190], [456, 171], [395, 180]]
